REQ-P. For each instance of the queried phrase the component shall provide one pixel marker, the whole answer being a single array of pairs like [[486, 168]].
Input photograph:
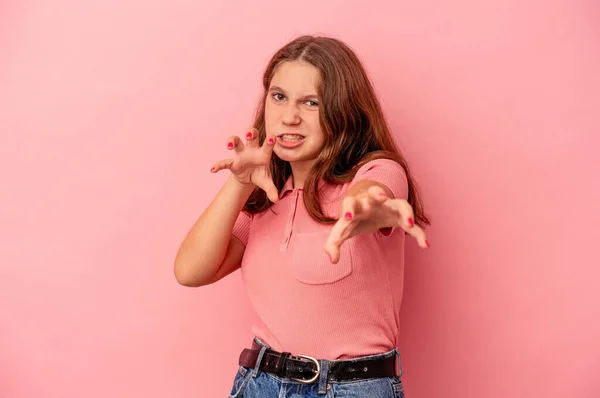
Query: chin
[[286, 156], [292, 157]]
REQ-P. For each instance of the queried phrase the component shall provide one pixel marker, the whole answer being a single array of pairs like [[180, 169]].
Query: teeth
[[292, 137]]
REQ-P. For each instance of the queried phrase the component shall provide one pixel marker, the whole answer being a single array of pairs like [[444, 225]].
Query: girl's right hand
[[251, 164]]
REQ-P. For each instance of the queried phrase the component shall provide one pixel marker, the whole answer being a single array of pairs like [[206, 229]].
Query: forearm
[[205, 245], [362, 187]]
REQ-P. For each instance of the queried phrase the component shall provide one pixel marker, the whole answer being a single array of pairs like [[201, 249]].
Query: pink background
[[112, 112]]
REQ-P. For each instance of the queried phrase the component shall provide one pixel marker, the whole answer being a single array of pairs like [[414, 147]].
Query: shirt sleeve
[[241, 228], [387, 172]]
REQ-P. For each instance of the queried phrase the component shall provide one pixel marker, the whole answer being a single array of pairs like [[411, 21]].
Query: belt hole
[[365, 369]]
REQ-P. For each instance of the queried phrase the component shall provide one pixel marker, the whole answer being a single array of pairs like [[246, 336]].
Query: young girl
[[314, 213]]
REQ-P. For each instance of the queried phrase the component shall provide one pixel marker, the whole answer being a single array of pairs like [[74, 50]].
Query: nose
[[291, 115]]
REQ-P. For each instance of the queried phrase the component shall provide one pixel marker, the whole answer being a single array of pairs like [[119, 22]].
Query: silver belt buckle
[[316, 376], [398, 366]]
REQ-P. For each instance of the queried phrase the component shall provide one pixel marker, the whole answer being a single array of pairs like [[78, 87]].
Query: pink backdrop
[[112, 112]]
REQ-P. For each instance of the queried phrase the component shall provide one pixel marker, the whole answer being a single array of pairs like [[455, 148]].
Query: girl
[[314, 213]]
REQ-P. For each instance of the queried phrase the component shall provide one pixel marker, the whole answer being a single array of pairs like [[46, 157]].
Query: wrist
[[241, 187]]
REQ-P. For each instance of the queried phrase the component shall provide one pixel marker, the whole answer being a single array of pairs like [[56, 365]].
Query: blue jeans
[[252, 383]]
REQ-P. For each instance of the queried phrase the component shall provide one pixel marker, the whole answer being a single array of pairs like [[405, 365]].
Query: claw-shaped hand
[[368, 212], [251, 164]]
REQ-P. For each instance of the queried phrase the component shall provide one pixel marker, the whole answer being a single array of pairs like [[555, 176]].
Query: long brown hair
[[351, 117]]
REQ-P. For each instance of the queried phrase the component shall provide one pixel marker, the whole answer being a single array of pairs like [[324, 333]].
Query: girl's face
[[292, 113]]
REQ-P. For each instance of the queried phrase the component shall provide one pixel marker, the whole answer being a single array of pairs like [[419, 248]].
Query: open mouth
[[291, 137]]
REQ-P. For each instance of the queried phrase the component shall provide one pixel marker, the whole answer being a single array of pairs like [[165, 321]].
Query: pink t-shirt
[[309, 306]]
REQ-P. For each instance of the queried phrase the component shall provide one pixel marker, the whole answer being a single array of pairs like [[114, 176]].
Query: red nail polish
[[249, 135], [427, 243], [271, 140], [411, 222], [212, 169], [348, 216], [230, 145]]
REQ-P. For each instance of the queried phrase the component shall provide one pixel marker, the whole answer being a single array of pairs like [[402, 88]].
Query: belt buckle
[[398, 366], [316, 376]]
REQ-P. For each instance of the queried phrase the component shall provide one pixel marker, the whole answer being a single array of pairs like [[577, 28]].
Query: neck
[[300, 171]]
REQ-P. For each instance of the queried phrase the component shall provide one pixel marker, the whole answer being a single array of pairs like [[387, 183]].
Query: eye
[[278, 97], [312, 103]]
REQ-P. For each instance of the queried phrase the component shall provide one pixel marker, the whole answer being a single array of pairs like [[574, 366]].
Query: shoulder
[[381, 166], [384, 171]]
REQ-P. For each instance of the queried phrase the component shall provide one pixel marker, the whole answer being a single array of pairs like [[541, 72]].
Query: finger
[[222, 164], [350, 208], [252, 137], [418, 233], [335, 241], [234, 142], [405, 212], [377, 194], [269, 144], [333, 252], [271, 191], [367, 202]]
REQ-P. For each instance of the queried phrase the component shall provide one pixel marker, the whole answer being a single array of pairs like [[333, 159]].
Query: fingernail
[[249, 135], [411, 222], [330, 259], [212, 169], [427, 243], [382, 194], [271, 140], [230, 145], [348, 216]]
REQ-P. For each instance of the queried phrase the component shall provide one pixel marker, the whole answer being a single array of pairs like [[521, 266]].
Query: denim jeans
[[252, 383]]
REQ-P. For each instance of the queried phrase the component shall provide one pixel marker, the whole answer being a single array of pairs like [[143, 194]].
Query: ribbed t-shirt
[[305, 304]]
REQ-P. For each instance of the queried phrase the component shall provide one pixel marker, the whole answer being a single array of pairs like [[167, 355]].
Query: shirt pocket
[[311, 264]]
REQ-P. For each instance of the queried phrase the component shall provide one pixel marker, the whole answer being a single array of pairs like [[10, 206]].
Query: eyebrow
[[277, 88]]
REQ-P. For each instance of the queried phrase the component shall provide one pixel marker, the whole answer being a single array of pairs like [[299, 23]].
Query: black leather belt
[[307, 369]]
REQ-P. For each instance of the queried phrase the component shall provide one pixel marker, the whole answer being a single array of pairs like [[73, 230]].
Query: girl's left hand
[[368, 212]]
